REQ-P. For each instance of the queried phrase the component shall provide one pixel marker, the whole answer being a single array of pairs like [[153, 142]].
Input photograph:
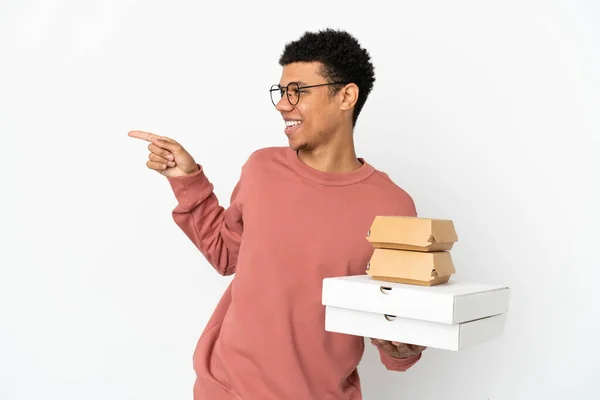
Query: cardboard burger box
[[412, 267], [412, 233], [450, 316]]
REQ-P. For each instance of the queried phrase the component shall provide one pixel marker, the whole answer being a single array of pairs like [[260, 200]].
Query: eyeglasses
[[293, 90]]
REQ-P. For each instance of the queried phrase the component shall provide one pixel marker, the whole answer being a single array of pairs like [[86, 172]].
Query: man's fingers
[[157, 166], [161, 160], [147, 136], [150, 137], [412, 346], [383, 344], [380, 342], [167, 143], [161, 152], [159, 141]]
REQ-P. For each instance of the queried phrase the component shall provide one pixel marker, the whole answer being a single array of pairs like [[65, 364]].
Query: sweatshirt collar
[[329, 178]]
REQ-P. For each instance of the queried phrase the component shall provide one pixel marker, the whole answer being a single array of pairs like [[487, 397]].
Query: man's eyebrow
[[300, 83]]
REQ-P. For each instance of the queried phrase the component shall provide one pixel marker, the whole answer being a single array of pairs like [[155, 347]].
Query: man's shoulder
[[268, 152], [385, 182], [388, 189], [265, 155]]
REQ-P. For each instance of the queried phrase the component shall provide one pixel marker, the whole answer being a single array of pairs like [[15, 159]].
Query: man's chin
[[296, 146]]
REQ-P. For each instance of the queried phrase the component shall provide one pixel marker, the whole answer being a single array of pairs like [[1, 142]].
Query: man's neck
[[332, 157]]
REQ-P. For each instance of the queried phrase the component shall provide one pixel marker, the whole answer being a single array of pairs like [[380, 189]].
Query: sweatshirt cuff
[[191, 188], [398, 364]]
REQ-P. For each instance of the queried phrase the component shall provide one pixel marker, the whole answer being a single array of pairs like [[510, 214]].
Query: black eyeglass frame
[[278, 88]]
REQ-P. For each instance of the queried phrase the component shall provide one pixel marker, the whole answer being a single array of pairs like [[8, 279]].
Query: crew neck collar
[[329, 178]]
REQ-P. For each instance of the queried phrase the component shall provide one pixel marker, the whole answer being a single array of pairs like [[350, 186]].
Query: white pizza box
[[452, 302], [437, 335]]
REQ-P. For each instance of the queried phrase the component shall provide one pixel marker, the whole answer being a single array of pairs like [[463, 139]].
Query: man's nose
[[283, 104]]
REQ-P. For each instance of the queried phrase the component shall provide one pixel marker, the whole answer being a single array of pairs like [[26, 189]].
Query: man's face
[[314, 119]]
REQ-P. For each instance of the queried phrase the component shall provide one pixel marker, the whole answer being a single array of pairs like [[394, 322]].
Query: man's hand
[[397, 349], [167, 157]]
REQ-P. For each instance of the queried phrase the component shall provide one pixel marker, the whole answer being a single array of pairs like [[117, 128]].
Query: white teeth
[[292, 123]]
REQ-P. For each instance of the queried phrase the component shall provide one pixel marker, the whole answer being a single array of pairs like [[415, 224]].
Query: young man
[[297, 215]]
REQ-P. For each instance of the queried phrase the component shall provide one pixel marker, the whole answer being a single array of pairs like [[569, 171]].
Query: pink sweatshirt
[[288, 226]]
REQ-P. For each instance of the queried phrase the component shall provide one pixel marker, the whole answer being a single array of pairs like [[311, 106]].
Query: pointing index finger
[[147, 136]]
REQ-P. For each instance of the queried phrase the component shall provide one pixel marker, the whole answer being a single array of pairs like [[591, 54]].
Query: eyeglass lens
[[292, 91]]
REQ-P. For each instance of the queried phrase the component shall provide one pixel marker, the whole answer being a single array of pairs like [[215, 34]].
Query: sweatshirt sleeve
[[398, 364], [216, 231]]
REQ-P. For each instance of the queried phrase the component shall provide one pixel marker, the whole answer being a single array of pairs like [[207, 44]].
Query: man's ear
[[349, 96]]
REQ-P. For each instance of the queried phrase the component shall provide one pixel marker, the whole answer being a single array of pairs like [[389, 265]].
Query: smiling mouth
[[291, 126]]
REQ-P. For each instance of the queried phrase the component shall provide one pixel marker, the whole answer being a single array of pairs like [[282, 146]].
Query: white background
[[487, 113]]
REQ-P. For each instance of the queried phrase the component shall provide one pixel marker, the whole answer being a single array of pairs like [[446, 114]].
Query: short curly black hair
[[342, 57]]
